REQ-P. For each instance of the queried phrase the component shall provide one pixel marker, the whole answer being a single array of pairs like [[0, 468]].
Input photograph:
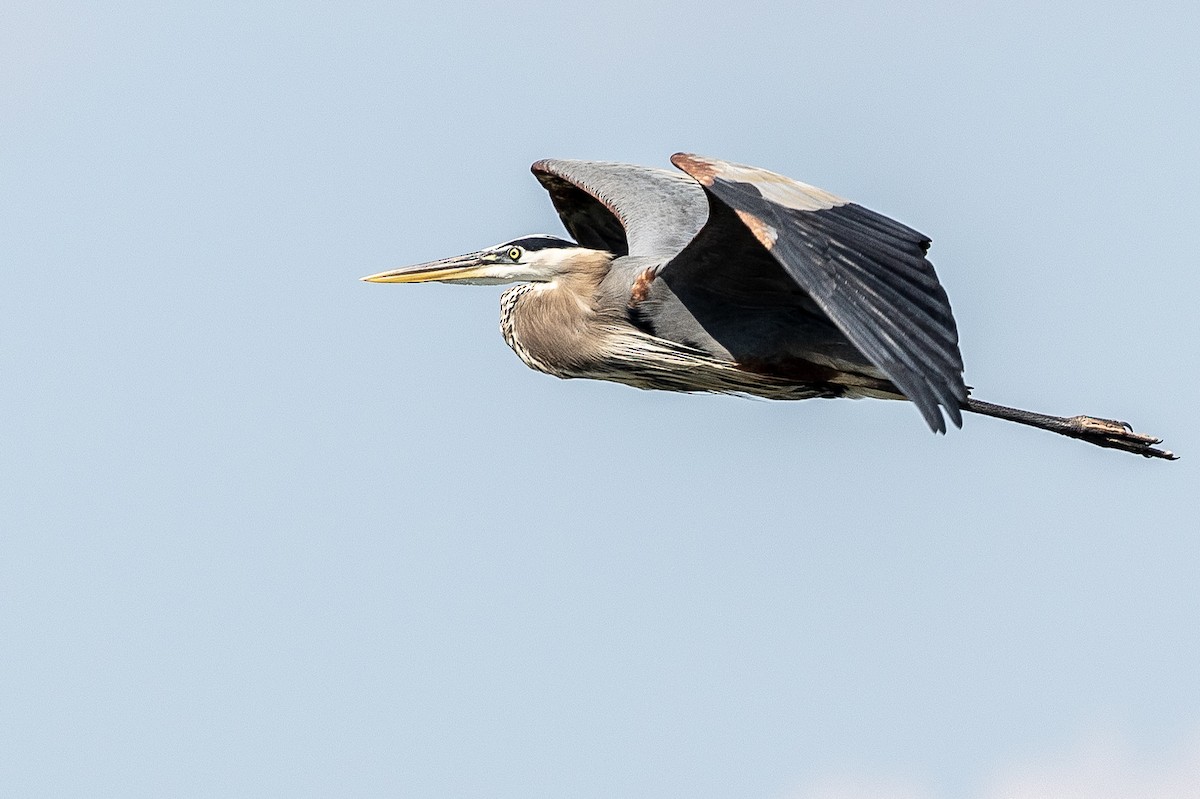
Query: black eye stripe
[[535, 243]]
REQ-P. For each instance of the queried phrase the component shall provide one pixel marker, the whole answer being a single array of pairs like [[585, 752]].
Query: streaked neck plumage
[[555, 326]]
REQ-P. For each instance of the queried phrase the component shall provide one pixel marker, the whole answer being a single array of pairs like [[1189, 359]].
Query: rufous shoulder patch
[[765, 234], [641, 287]]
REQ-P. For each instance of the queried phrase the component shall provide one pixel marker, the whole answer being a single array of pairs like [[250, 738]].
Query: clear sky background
[[270, 531]]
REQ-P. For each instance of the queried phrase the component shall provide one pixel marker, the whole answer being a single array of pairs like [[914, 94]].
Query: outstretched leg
[[1101, 432]]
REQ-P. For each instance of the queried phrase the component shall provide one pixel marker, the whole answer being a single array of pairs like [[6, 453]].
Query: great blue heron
[[735, 280]]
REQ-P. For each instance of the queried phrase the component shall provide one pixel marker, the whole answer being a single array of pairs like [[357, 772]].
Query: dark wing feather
[[868, 273], [622, 208]]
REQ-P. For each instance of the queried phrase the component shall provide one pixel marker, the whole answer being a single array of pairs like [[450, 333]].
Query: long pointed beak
[[459, 269]]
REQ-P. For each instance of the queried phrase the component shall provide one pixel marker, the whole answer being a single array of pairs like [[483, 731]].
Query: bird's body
[[585, 326], [732, 279]]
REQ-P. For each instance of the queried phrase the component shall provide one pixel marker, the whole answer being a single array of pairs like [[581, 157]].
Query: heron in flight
[[732, 279]]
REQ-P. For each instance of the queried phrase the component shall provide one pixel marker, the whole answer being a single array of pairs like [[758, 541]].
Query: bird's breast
[[549, 329]]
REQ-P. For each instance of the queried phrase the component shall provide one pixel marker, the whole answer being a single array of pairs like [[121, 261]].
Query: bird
[[725, 278]]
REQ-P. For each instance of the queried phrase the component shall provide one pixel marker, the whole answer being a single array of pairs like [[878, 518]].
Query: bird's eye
[[515, 253]]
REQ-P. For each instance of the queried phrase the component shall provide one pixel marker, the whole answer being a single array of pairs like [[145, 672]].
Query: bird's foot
[[1117, 435]]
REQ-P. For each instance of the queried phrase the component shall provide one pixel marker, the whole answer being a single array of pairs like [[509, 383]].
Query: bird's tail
[[1101, 432]]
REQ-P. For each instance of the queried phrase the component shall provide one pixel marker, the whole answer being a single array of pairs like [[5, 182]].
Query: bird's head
[[538, 258]]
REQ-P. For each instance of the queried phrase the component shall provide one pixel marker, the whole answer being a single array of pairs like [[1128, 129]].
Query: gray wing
[[622, 208], [868, 273]]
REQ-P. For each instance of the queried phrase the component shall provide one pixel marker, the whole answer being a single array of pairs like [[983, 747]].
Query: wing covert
[[623, 208], [867, 272]]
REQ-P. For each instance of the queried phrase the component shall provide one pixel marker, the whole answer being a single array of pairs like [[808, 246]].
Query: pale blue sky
[[269, 531]]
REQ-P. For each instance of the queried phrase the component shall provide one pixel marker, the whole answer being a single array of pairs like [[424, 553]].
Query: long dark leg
[[1101, 432]]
